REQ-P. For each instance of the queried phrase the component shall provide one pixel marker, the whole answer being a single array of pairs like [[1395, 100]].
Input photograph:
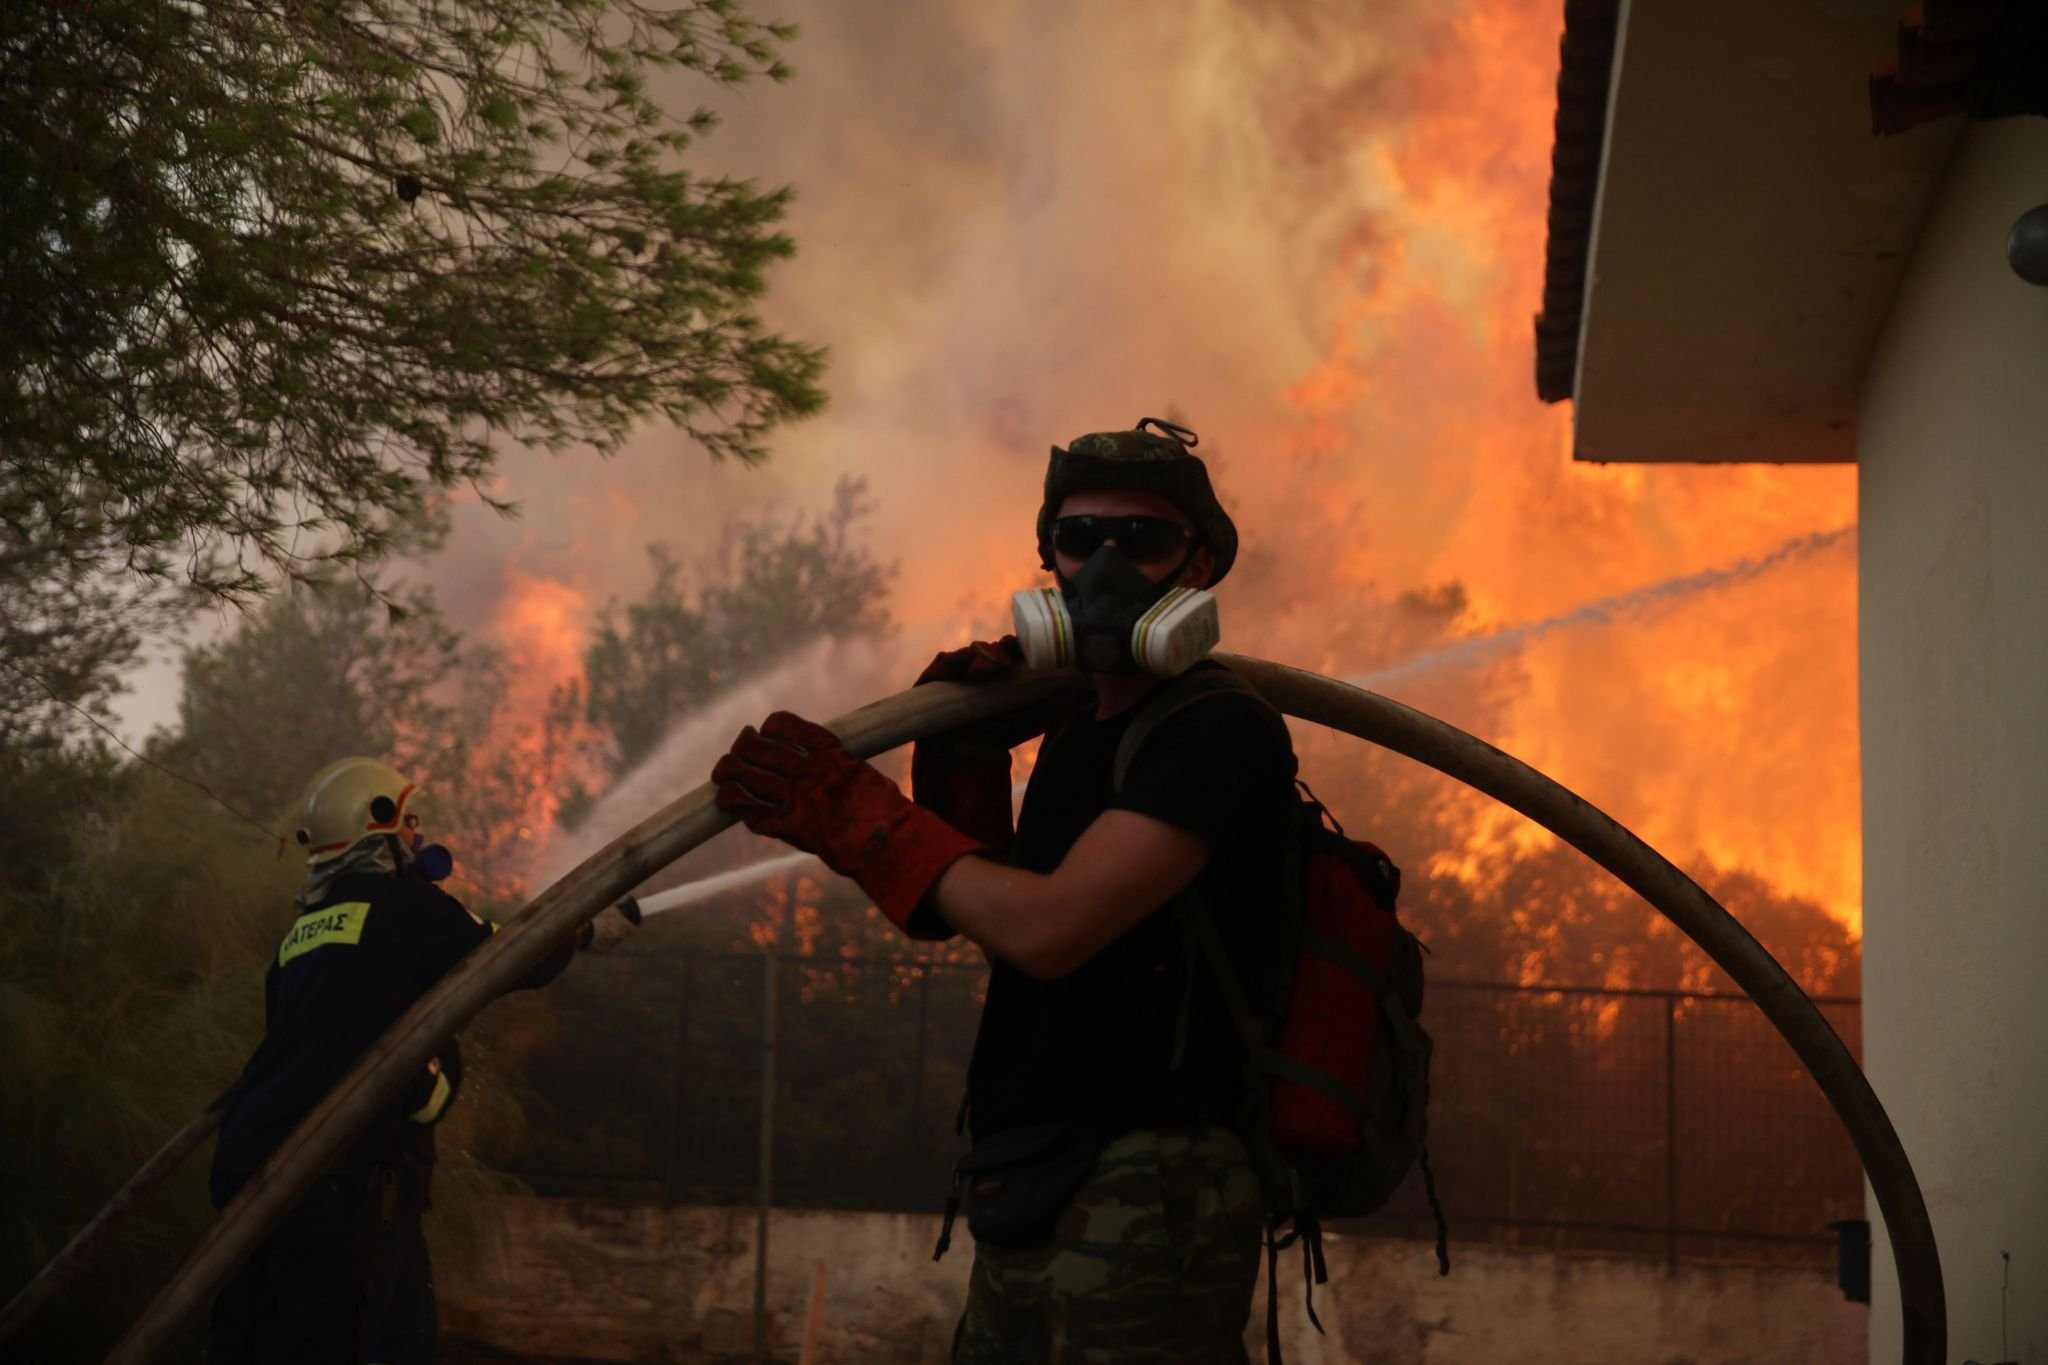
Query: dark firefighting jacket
[[343, 974]]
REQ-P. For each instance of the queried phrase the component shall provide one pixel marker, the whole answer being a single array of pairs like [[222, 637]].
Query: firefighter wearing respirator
[[1114, 1212], [345, 1276]]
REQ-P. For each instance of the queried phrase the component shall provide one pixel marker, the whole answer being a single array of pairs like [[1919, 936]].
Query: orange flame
[[1347, 211], [535, 740], [543, 625], [1723, 731]]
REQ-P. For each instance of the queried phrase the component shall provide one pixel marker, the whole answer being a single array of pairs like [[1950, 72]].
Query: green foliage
[[770, 587], [67, 630], [320, 673], [310, 676], [270, 275], [135, 920]]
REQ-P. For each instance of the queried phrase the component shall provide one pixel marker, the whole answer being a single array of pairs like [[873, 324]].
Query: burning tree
[[310, 677], [270, 275], [313, 675]]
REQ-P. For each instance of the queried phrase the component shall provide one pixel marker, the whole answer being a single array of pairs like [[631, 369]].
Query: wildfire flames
[[536, 741], [1723, 729], [1317, 233]]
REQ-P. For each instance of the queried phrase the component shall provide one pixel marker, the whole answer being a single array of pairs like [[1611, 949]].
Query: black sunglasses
[[1137, 537]]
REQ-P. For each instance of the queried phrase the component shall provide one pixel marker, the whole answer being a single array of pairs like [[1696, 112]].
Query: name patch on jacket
[[318, 928]]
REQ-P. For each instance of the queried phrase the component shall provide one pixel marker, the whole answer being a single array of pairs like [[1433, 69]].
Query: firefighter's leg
[[311, 1280], [409, 1329], [1155, 1261], [231, 1333]]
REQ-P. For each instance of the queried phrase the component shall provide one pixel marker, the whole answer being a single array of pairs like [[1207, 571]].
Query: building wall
[[1954, 620], [566, 1278]]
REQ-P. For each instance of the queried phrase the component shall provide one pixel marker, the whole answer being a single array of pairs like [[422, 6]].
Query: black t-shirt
[[1095, 1047], [343, 974]]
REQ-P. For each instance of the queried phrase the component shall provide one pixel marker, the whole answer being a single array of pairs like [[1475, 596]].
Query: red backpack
[[1337, 1083]]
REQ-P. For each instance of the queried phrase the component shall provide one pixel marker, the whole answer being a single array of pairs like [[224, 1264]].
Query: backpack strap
[[1204, 946], [1392, 1009], [1197, 684], [1199, 932], [1206, 679]]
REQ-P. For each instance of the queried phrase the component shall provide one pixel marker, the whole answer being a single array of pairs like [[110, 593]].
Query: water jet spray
[[1636, 602]]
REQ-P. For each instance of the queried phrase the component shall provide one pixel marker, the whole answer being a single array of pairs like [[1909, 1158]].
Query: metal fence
[[1657, 1123]]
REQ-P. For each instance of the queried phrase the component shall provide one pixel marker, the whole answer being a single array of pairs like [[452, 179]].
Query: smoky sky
[[1015, 223], [1314, 232]]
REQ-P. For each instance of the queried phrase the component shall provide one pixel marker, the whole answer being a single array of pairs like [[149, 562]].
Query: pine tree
[[272, 273]]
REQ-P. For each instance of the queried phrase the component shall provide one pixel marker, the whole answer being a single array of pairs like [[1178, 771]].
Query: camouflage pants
[[1154, 1261]]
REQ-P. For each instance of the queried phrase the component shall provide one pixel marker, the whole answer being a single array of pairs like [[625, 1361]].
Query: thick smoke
[[1315, 233]]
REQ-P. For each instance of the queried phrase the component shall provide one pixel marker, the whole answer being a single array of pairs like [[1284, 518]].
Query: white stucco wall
[[596, 1281], [1953, 451]]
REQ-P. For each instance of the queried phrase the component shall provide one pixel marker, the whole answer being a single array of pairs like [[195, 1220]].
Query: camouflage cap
[[1146, 462]]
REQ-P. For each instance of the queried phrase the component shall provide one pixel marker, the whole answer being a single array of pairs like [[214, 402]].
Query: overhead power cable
[[132, 752]]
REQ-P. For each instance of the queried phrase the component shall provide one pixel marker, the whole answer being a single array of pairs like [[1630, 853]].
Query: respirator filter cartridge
[[1044, 630], [1178, 629]]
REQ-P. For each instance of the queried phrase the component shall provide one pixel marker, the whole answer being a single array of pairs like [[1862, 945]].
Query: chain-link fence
[[1658, 1123]]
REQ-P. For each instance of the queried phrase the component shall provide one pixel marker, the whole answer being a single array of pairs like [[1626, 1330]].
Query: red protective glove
[[981, 661], [963, 775], [795, 781]]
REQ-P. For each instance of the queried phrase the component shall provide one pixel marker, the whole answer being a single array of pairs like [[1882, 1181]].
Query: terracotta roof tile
[[1586, 62]]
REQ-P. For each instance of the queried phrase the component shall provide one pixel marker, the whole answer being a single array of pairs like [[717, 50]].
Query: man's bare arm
[[1122, 868]]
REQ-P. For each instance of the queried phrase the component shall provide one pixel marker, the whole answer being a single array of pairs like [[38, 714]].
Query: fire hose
[[691, 819], [79, 1252]]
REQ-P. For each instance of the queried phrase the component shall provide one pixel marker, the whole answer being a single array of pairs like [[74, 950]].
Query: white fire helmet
[[350, 799]]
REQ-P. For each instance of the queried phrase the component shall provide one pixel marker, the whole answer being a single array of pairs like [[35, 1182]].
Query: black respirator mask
[[1110, 618]]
